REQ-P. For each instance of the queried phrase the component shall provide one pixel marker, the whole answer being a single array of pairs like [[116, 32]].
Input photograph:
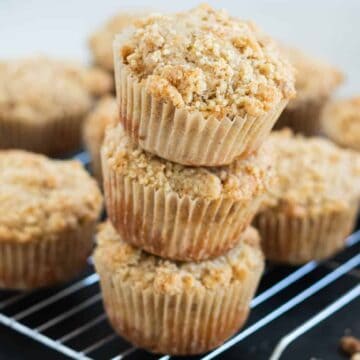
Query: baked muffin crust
[[41, 197], [341, 122], [242, 179], [101, 41], [40, 89], [313, 175], [207, 61], [144, 270]]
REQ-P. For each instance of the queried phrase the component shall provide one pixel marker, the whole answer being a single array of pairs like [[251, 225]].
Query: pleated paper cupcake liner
[[185, 323], [297, 240], [45, 262], [304, 118], [56, 137], [186, 137], [173, 227]]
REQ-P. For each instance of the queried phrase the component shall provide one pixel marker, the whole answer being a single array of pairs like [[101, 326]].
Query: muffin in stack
[[178, 261]]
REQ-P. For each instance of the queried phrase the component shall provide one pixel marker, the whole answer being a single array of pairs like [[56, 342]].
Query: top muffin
[[207, 61], [101, 41], [341, 122], [40, 197], [314, 175]]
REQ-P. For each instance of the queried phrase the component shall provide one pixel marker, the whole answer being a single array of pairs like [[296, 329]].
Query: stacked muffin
[[184, 172]]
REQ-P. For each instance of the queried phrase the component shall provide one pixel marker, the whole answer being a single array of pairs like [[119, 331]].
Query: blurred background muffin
[[312, 206], [101, 41], [104, 114], [48, 213], [341, 122], [44, 101], [315, 82]]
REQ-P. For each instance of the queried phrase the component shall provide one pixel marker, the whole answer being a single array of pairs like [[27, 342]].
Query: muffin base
[[186, 137], [294, 240], [173, 227], [56, 137], [304, 118], [190, 322], [45, 262]]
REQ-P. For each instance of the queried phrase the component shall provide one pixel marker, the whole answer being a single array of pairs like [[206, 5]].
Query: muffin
[[101, 41], [199, 88], [179, 212], [341, 122], [104, 113], [312, 207], [44, 101], [172, 307], [315, 82], [48, 211]]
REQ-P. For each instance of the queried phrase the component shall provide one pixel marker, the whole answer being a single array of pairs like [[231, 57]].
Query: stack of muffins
[[185, 170]]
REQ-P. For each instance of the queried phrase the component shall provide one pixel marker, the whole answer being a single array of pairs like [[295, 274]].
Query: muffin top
[[341, 122], [205, 60], [243, 179], [146, 270], [40, 89], [101, 41], [313, 175], [104, 113], [40, 197], [314, 78]]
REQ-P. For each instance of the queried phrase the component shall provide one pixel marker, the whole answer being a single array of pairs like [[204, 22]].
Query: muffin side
[[175, 211], [208, 300]]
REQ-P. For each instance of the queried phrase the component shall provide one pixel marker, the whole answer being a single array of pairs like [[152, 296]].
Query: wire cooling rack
[[293, 307]]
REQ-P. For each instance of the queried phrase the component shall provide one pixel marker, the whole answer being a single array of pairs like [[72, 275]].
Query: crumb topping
[[243, 179], [341, 122], [313, 175], [208, 61], [145, 270], [40, 197], [41, 89], [313, 77], [102, 40], [104, 114]]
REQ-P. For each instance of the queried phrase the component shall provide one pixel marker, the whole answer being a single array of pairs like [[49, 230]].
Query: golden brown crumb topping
[[40, 197], [145, 270], [314, 78], [40, 89], [102, 40], [243, 179], [341, 122], [313, 175], [205, 60], [104, 114]]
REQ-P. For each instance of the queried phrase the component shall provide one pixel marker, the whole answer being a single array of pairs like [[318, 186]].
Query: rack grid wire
[[291, 303]]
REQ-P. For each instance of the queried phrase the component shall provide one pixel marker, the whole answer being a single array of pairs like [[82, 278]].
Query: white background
[[329, 29]]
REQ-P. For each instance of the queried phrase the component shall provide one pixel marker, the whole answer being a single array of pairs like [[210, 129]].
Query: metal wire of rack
[[70, 318]]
